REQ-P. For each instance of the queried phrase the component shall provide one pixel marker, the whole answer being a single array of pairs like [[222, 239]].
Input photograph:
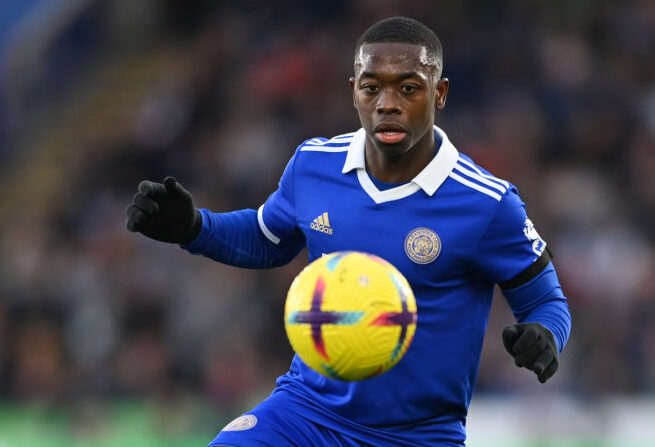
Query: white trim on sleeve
[[262, 226], [480, 178], [475, 186]]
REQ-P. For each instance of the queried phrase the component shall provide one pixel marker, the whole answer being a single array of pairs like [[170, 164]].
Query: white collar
[[429, 179]]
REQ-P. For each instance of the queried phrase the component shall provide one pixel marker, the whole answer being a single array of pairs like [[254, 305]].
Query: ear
[[441, 93], [351, 81]]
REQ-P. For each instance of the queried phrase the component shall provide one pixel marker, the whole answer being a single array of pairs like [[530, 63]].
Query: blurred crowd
[[557, 97]]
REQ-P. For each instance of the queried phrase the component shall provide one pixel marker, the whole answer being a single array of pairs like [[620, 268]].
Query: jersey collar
[[429, 179]]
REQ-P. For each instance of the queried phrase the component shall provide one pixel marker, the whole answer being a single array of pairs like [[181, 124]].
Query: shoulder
[[322, 154], [497, 200], [339, 143], [478, 183]]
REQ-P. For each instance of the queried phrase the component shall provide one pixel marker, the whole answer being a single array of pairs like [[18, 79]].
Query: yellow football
[[350, 315]]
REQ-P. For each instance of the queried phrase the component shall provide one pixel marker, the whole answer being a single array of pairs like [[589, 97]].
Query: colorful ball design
[[350, 315]]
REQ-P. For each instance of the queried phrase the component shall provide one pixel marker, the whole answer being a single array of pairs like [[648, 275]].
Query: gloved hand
[[164, 212], [532, 346]]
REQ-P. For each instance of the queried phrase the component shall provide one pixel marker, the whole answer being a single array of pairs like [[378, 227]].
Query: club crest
[[422, 245]]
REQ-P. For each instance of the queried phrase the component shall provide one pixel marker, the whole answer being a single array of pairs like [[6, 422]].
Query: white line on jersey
[[475, 186], [476, 169], [480, 178]]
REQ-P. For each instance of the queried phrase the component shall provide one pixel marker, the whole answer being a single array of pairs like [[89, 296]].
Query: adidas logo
[[322, 224]]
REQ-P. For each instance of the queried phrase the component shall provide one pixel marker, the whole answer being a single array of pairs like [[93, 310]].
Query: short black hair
[[404, 30]]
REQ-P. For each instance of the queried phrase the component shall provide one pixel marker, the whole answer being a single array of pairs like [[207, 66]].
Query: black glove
[[532, 346], [164, 212]]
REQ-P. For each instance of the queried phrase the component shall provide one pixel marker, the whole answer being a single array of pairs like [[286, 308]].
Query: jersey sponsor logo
[[538, 244], [322, 224], [422, 245], [245, 422]]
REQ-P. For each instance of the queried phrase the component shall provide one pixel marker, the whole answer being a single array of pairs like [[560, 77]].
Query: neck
[[403, 167]]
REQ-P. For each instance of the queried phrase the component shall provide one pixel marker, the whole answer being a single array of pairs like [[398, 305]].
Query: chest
[[429, 240]]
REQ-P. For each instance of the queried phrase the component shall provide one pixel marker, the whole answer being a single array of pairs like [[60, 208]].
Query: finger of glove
[[549, 338], [174, 188], [152, 190], [146, 204], [549, 371], [544, 359], [510, 334], [530, 355], [135, 218], [528, 337]]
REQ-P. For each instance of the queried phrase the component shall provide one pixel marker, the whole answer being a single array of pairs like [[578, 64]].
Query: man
[[399, 189]]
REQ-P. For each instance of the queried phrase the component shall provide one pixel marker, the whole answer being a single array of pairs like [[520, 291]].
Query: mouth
[[389, 133]]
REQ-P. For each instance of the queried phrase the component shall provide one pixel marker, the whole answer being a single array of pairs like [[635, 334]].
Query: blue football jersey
[[454, 231]]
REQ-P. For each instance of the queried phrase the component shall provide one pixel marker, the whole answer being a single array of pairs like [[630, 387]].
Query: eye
[[409, 88], [370, 88]]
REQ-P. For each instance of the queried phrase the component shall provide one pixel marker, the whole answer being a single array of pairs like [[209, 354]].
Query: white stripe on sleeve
[[476, 169], [475, 186], [480, 178], [262, 226]]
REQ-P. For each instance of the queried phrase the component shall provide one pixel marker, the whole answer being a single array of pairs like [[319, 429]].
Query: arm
[[237, 239], [246, 238], [512, 254], [540, 300], [544, 326]]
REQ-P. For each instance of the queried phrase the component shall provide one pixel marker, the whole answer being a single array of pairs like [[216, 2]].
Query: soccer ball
[[350, 315]]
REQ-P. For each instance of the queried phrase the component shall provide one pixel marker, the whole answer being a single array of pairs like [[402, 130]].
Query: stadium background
[[107, 338]]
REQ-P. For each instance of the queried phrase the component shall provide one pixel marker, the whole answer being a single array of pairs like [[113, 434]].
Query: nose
[[387, 102]]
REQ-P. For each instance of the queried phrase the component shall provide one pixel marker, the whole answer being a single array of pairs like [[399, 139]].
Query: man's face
[[396, 90]]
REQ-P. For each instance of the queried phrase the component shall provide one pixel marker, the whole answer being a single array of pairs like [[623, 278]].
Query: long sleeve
[[541, 300], [512, 254], [236, 239]]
